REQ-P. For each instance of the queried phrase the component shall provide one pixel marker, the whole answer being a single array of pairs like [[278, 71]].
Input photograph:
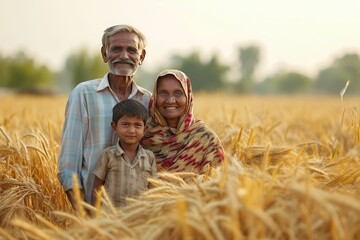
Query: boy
[[123, 169]]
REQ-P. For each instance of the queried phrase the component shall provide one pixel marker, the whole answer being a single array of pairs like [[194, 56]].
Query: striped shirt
[[124, 178], [87, 130]]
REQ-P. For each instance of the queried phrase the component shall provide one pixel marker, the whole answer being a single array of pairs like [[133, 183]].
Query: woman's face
[[171, 99]]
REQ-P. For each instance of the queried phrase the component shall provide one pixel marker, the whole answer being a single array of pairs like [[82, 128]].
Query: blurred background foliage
[[22, 73]]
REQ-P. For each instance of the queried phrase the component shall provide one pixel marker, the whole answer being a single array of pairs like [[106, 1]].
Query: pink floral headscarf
[[191, 146]]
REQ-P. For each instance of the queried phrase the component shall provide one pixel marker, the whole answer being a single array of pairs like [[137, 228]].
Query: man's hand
[[72, 198]]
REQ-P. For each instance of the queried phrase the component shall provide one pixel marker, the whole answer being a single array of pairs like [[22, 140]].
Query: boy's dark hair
[[130, 108]]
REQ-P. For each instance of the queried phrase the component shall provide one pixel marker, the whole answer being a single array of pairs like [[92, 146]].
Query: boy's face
[[130, 130]]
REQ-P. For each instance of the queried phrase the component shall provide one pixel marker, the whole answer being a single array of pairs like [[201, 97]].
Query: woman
[[179, 141]]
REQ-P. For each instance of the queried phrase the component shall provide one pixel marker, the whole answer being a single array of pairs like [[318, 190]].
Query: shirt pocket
[[143, 182]]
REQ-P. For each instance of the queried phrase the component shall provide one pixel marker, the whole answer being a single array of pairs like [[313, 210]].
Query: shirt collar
[[140, 152], [104, 83]]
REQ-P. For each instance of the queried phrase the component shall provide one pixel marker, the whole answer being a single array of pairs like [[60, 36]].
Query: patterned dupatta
[[190, 147]]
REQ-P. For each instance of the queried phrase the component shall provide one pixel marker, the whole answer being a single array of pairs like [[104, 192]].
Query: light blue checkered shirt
[[87, 130]]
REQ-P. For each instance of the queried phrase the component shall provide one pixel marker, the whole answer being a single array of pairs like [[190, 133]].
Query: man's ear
[[103, 54], [142, 56]]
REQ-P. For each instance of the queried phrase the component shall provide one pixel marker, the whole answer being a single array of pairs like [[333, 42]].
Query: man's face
[[122, 55]]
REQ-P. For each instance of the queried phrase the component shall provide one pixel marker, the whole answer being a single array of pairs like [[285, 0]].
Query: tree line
[[22, 73]]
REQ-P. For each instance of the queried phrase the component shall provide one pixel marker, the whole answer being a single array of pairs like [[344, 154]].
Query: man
[[87, 127]]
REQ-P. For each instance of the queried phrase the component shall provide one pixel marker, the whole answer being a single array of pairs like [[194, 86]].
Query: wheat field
[[292, 171]]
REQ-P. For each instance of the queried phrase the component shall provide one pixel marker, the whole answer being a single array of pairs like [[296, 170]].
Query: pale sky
[[298, 35]]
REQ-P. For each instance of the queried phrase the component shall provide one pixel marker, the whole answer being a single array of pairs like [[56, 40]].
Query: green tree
[[333, 78], [267, 86], [284, 82], [82, 66], [249, 58], [4, 72], [330, 80], [204, 75], [293, 83], [21, 72]]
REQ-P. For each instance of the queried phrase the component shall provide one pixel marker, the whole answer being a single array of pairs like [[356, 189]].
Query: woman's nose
[[171, 99]]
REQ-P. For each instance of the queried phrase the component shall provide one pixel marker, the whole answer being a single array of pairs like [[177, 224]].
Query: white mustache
[[123, 61]]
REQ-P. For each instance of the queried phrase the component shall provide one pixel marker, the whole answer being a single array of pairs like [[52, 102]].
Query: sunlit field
[[292, 171]]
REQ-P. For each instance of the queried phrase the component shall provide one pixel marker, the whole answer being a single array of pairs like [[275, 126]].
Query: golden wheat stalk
[[8, 139], [181, 206], [30, 229], [6, 235]]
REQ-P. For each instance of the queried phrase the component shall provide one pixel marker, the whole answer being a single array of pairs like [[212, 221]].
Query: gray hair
[[124, 28]]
